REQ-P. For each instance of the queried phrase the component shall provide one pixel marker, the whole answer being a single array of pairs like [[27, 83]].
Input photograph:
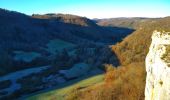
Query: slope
[[135, 46], [133, 22], [32, 34], [127, 80]]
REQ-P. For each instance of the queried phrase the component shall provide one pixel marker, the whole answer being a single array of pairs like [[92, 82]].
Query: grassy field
[[58, 45], [59, 94]]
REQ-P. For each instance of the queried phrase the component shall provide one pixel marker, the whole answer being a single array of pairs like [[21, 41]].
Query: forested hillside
[[135, 46], [34, 36], [66, 53], [127, 80], [40, 52], [126, 22]]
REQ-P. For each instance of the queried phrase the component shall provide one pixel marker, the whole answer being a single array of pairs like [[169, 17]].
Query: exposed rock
[[158, 67]]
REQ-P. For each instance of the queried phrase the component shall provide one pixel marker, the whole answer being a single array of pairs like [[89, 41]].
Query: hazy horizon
[[91, 9]]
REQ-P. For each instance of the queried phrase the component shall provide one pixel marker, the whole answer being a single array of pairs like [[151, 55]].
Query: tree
[[61, 59]]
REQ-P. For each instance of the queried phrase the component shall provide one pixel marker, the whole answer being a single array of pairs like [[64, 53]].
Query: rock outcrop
[[158, 67]]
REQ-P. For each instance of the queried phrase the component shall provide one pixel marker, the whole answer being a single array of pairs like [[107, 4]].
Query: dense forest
[[23, 33]]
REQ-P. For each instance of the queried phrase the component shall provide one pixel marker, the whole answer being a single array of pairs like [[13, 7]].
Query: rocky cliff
[[158, 67]]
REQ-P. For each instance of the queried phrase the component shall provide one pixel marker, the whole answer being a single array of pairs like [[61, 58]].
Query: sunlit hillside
[[135, 46]]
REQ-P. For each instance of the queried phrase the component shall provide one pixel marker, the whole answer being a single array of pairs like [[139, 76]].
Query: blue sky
[[92, 8]]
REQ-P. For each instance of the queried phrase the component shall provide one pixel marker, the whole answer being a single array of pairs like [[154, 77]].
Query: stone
[[158, 67]]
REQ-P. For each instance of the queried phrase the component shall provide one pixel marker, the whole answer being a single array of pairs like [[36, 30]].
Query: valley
[[52, 50], [69, 57]]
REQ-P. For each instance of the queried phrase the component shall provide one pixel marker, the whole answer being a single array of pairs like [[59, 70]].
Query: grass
[[121, 83], [59, 94], [58, 45], [124, 81]]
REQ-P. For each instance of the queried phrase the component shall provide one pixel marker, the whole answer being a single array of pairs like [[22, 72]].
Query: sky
[[91, 8]]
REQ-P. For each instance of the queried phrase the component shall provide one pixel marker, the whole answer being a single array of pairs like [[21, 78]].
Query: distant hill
[[132, 22], [50, 25], [67, 18]]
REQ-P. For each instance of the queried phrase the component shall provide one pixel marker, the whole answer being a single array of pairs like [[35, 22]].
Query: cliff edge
[[158, 67]]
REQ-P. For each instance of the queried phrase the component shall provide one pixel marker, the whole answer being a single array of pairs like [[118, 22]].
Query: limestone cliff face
[[158, 67]]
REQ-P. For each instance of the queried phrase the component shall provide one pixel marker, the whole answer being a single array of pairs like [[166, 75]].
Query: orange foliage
[[122, 83], [135, 46]]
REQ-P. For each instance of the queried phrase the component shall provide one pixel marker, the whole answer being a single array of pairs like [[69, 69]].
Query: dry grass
[[122, 83], [135, 47]]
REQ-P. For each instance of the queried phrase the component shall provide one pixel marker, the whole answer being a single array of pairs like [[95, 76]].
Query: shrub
[[121, 83]]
